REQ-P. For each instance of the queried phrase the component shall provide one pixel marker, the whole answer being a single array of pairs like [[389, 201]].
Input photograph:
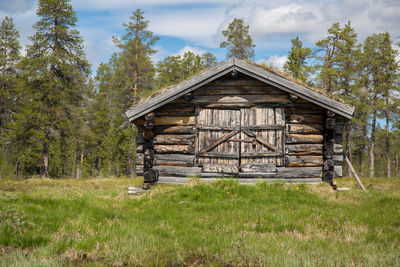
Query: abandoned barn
[[238, 119]]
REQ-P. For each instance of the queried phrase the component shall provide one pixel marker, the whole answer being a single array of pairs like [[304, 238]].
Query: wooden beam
[[261, 140], [355, 174], [219, 141]]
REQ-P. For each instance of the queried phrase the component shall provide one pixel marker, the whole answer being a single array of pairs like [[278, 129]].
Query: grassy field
[[94, 222]]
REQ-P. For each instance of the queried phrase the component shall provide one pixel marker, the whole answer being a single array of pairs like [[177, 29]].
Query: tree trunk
[[347, 146], [372, 146], [388, 157], [44, 170], [79, 168]]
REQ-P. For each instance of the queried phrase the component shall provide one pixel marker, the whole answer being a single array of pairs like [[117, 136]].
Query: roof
[[249, 69]]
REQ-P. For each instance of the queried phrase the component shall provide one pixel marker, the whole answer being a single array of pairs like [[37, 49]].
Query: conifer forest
[[59, 118]]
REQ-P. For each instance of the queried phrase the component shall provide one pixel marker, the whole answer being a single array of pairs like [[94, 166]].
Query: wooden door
[[261, 135], [216, 129]]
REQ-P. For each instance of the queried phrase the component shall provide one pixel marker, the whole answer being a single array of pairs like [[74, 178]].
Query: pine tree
[[381, 71], [174, 69], [296, 64], [135, 51], [327, 47], [238, 41], [208, 60], [56, 72]]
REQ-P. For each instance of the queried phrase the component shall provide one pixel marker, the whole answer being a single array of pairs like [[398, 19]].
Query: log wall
[[175, 133]]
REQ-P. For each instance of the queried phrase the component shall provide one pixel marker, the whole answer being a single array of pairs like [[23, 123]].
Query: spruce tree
[[296, 64], [238, 40], [9, 84], [57, 70]]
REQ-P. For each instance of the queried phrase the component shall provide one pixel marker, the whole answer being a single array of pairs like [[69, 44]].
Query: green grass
[[94, 222]]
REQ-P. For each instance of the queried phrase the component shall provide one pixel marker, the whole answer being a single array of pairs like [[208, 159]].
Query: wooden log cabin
[[238, 119]]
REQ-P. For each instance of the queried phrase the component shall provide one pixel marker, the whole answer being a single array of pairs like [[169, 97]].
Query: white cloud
[[194, 50], [275, 62]]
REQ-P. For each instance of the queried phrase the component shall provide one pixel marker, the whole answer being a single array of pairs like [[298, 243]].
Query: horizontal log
[[173, 159], [303, 138], [220, 168], [338, 138], [304, 128], [219, 155], [304, 119], [176, 111], [240, 99], [166, 120], [171, 120], [166, 129], [172, 139], [178, 171], [303, 149], [309, 161], [260, 154], [338, 149], [260, 89], [259, 167], [166, 149], [236, 82], [338, 159], [338, 171], [299, 172], [218, 128]]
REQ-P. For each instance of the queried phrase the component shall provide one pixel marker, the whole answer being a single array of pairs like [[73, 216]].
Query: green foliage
[[9, 85], [296, 64], [134, 56], [238, 41], [174, 69], [94, 221]]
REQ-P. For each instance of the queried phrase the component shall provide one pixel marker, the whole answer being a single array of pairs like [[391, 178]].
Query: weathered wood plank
[[260, 154], [302, 161], [174, 160], [299, 172], [180, 90], [219, 155], [259, 167], [304, 128], [225, 89], [172, 120], [220, 168], [240, 99], [302, 138], [166, 149], [303, 149], [293, 88], [219, 141], [172, 139], [175, 110], [261, 140], [178, 171], [168, 129], [304, 119]]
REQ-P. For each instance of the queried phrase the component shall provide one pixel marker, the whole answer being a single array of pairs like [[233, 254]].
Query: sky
[[196, 25]]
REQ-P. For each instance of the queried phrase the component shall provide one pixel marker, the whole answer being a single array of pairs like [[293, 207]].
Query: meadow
[[92, 222]]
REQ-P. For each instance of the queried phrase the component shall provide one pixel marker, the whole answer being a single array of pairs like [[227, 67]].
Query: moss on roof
[[286, 76]]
